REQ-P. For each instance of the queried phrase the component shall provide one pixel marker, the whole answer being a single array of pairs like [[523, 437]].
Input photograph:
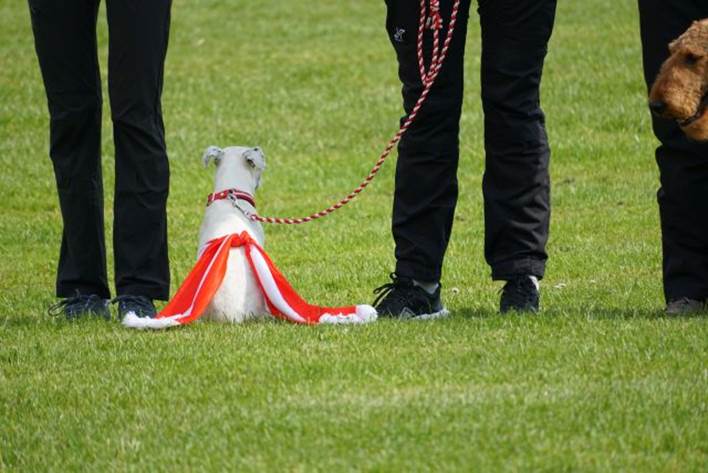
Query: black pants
[[516, 185], [683, 164], [65, 41]]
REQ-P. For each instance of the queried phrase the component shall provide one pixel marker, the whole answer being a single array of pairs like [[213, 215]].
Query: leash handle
[[427, 77]]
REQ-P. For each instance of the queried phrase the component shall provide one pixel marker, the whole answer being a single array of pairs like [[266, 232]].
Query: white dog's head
[[236, 167]]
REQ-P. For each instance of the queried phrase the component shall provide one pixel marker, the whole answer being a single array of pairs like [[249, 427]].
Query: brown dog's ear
[[212, 152], [673, 45]]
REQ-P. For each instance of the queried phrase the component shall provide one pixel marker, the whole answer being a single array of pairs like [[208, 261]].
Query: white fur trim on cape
[[131, 320], [364, 314]]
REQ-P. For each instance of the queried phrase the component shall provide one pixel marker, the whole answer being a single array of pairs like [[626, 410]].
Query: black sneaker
[[404, 300], [141, 306], [520, 294], [685, 306], [80, 305]]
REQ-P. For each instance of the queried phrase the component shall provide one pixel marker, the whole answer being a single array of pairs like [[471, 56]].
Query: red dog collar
[[232, 195]]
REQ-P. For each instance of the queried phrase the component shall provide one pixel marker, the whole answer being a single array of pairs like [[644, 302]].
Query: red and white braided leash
[[434, 22]]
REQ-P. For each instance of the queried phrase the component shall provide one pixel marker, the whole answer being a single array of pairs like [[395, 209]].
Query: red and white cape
[[197, 290]]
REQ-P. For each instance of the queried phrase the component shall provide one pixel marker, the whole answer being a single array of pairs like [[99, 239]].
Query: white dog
[[239, 297], [251, 287]]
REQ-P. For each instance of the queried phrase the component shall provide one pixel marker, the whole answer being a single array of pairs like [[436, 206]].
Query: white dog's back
[[239, 297]]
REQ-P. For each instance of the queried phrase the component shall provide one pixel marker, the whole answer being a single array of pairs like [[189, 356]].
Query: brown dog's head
[[680, 91]]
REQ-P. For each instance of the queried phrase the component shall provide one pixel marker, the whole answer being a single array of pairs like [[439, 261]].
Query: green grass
[[599, 381]]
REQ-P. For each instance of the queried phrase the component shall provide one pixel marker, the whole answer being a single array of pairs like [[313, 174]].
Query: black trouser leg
[[426, 170], [516, 184], [683, 164], [138, 36], [65, 41]]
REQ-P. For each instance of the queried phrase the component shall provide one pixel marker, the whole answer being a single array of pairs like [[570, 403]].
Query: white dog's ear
[[255, 158], [212, 152]]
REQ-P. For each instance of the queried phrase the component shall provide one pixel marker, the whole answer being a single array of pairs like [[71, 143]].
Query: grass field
[[599, 381]]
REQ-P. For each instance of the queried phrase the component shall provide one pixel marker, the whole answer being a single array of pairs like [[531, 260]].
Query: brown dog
[[680, 91]]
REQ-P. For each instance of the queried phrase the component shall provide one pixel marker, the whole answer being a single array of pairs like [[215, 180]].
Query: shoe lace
[[142, 302], [397, 289], [79, 303]]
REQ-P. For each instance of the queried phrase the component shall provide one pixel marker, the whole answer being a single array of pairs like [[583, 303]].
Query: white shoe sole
[[435, 315]]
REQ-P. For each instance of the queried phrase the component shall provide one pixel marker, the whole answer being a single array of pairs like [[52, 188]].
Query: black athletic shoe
[[139, 305], [404, 300], [520, 294], [81, 305], [685, 306]]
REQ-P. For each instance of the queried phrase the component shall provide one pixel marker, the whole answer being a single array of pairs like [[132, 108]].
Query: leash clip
[[236, 202]]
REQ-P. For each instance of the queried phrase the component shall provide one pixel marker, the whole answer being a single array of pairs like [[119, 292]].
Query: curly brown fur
[[680, 91]]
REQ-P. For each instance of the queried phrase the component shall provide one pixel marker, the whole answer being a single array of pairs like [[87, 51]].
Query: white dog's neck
[[231, 176], [222, 217]]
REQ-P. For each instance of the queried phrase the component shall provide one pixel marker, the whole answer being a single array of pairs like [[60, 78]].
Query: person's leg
[[426, 170], [138, 36], [516, 183], [683, 164], [65, 41]]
